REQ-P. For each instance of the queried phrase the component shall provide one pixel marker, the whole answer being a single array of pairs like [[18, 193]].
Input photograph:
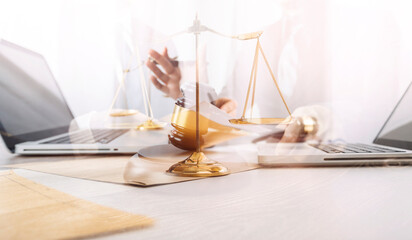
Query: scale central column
[[197, 164], [197, 94]]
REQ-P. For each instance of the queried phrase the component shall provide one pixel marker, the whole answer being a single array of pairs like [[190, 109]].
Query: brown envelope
[[33, 211]]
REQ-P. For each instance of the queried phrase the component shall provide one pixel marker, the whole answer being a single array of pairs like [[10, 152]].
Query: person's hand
[[168, 81], [294, 132], [226, 104], [299, 130]]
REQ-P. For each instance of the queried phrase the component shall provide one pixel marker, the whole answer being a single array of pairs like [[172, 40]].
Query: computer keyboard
[[353, 148], [89, 136]]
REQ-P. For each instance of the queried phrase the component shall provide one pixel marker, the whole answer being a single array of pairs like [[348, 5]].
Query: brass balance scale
[[197, 164], [150, 123]]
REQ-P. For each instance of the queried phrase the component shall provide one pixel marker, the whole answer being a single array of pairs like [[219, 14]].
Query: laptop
[[35, 118], [392, 145]]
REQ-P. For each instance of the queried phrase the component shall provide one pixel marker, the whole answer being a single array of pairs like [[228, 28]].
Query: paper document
[[213, 113], [113, 168]]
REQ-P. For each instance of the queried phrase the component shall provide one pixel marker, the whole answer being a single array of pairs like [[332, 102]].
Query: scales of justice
[[198, 164], [150, 123]]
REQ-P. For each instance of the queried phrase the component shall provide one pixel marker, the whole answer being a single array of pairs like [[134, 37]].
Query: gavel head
[[183, 134]]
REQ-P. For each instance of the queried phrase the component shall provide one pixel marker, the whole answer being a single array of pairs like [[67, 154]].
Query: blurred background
[[353, 56]]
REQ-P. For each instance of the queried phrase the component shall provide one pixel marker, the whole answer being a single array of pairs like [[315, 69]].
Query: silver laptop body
[[392, 146], [35, 119]]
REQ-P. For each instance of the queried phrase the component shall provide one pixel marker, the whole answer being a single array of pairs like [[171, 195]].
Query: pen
[[173, 61]]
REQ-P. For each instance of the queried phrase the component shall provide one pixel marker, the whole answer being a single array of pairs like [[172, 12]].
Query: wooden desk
[[283, 203]]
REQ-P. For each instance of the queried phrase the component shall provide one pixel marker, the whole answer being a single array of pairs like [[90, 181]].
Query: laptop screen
[[31, 104], [397, 131]]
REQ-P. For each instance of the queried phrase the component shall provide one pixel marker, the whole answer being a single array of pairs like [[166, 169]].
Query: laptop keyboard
[[353, 148], [89, 136]]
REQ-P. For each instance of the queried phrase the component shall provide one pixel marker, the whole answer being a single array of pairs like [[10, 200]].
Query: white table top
[[282, 203]]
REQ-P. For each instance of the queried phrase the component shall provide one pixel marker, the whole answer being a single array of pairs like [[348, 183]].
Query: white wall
[[370, 52]]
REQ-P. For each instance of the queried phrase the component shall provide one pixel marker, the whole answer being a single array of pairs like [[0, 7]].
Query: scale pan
[[262, 121], [151, 125], [123, 113]]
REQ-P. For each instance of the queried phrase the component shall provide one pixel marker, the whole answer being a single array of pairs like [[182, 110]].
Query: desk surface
[[282, 203]]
